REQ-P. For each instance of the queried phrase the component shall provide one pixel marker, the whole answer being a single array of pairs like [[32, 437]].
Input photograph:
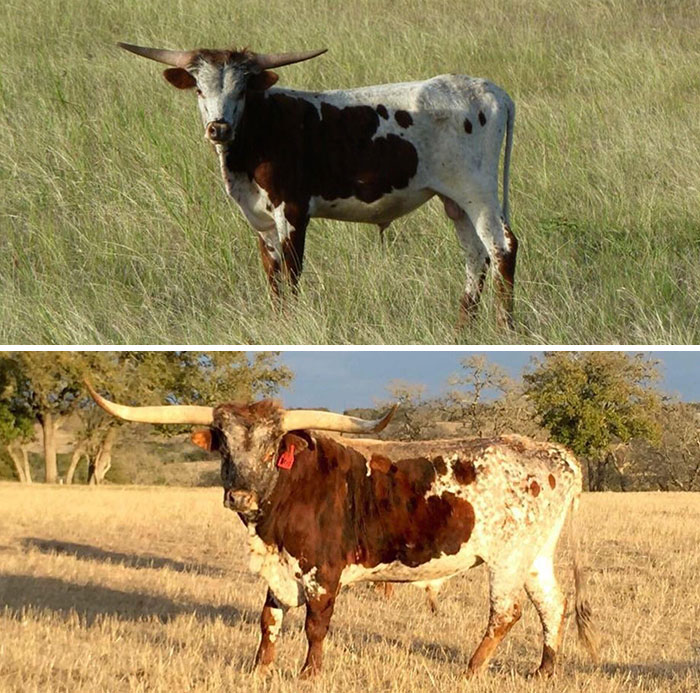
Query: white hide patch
[[282, 572], [276, 623]]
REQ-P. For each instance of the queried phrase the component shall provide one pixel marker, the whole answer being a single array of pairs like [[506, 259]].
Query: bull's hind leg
[[544, 591], [270, 626], [484, 210], [477, 263], [505, 591], [542, 588]]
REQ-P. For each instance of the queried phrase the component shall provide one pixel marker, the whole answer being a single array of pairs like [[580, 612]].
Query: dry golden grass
[[147, 589]]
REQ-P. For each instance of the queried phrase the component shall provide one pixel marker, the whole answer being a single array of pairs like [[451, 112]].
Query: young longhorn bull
[[324, 512], [369, 155]]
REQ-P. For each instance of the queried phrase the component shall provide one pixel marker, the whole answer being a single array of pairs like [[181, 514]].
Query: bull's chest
[[282, 572], [251, 198]]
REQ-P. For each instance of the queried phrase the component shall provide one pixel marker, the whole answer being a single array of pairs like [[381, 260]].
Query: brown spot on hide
[[294, 152], [381, 109], [403, 118], [552, 481], [482, 119], [468, 126], [440, 466], [464, 472]]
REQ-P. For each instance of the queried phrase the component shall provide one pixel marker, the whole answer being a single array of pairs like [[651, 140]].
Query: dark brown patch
[[403, 118], [534, 488], [482, 119], [468, 126], [440, 466], [293, 152], [381, 109], [464, 472], [506, 269], [552, 481]]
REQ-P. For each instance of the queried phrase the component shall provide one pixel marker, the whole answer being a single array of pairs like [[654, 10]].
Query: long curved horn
[[327, 421], [267, 61], [168, 414], [161, 55]]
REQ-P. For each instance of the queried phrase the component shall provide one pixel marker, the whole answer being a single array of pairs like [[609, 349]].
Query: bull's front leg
[[319, 610], [282, 250], [270, 627], [291, 221]]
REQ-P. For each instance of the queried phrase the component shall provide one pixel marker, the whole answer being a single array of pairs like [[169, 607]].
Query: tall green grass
[[115, 228]]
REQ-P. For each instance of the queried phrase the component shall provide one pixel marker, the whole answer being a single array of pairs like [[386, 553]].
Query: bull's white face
[[221, 97]]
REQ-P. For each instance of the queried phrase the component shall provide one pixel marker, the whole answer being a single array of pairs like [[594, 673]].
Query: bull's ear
[[204, 439], [179, 77], [299, 439], [262, 80]]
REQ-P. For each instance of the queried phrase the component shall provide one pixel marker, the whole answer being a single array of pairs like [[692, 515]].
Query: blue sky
[[345, 379]]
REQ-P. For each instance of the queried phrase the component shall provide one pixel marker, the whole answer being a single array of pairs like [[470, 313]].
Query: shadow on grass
[[658, 671], [87, 552], [90, 602]]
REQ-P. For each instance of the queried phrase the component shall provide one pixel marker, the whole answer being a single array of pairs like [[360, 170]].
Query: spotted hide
[[370, 154], [351, 510], [324, 511]]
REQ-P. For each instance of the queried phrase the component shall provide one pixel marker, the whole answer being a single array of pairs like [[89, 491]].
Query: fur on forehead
[[248, 414], [221, 57]]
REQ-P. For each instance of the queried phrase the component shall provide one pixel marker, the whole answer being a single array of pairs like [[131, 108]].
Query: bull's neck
[[263, 113]]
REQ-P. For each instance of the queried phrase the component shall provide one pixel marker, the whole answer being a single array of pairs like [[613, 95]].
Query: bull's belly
[[381, 211], [437, 568]]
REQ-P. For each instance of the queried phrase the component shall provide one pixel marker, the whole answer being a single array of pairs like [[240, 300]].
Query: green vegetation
[[590, 400], [47, 389], [114, 226]]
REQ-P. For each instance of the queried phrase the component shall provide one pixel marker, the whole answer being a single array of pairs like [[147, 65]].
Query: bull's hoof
[[262, 671], [308, 673], [542, 673]]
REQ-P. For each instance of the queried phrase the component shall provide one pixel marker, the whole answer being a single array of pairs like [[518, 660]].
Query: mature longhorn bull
[[370, 154], [322, 512]]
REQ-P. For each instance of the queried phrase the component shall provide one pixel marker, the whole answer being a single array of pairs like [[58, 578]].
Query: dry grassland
[[144, 589]]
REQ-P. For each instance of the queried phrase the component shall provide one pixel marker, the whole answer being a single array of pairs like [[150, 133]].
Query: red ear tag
[[286, 459]]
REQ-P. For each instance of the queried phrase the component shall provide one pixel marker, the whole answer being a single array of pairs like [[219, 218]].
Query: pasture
[[137, 588], [115, 228]]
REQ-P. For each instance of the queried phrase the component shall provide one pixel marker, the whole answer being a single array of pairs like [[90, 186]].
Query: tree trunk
[[78, 454], [48, 425], [17, 460], [103, 458], [25, 464]]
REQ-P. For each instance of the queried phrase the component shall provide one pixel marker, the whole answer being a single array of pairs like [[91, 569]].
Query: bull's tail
[[587, 633], [510, 123]]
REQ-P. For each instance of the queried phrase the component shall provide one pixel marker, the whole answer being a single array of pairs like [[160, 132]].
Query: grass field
[[114, 226], [135, 589]]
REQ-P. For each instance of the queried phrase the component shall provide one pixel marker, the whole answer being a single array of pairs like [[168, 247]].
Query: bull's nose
[[219, 131]]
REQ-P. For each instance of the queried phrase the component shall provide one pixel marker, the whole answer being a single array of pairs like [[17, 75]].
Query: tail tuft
[[587, 633]]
